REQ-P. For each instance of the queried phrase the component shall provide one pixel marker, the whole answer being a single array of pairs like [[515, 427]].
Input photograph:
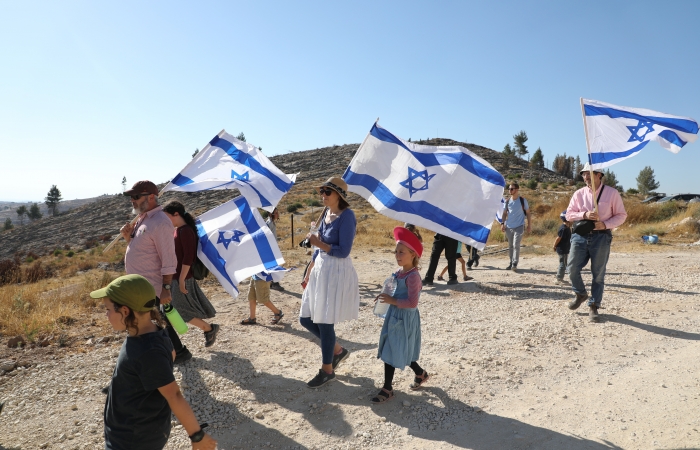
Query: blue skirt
[[399, 341]]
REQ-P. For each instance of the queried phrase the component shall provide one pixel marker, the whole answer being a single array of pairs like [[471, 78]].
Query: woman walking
[[188, 298], [332, 292]]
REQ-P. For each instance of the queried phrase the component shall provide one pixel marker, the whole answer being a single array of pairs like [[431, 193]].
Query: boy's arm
[[556, 242], [184, 414]]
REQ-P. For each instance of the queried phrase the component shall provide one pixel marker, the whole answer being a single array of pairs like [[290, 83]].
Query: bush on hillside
[[632, 191], [531, 183]]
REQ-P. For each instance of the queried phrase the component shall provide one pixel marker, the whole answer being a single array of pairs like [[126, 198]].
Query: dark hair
[[514, 184], [342, 204], [173, 206], [130, 319], [412, 228]]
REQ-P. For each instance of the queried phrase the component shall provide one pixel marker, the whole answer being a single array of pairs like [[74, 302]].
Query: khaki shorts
[[259, 291]]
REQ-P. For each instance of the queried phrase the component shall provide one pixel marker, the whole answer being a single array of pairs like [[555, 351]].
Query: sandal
[[419, 381], [383, 396], [277, 317], [440, 278], [249, 321]]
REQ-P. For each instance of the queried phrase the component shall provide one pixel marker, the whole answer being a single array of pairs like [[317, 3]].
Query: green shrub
[[70, 254], [312, 202], [57, 252], [580, 184], [554, 185], [531, 184], [546, 226], [545, 186], [648, 231], [29, 259], [632, 191]]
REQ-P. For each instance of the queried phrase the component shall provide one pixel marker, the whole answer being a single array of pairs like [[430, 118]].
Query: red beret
[[406, 237]]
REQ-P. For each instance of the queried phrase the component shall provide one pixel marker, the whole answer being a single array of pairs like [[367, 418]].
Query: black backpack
[[199, 270]]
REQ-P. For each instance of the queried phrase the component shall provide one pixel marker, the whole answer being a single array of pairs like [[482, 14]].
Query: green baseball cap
[[133, 291]]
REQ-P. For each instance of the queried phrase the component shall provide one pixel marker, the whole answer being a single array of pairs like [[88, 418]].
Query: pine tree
[[241, 137], [645, 181], [53, 198], [577, 169], [537, 160], [195, 152], [611, 179], [563, 165], [8, 224], [123, 184], [519, 145], [34, 212], [21, 212]]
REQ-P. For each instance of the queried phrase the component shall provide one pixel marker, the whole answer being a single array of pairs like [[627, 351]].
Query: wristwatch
[[198, 436], [166, 287]]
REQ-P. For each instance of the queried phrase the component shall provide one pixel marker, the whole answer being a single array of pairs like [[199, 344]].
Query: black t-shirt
[[564, 245], [136, 415]]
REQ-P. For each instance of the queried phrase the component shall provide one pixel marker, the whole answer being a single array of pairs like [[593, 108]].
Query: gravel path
[[511, 368]]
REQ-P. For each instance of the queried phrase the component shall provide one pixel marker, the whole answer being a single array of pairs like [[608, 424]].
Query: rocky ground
[[511, 368]]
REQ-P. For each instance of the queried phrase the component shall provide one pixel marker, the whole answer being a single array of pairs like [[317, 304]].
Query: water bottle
[[380, 308], [175, 319], [313, 230]]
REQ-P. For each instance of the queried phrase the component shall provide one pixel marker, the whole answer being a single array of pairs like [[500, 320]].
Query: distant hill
[[99, 219], [9, 209]]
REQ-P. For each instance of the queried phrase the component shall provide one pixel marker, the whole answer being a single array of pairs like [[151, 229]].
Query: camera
[[305, 243]]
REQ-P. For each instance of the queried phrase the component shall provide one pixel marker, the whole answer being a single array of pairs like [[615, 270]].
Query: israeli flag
[[615, 133], [227, 163], [449, 190], [235, 243]]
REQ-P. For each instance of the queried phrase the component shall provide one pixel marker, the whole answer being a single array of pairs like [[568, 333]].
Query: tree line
[[52, 199]]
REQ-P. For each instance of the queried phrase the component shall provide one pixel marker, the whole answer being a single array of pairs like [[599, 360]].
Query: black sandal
[[249, 321], [383, 396], [419, 381], [277, 317]]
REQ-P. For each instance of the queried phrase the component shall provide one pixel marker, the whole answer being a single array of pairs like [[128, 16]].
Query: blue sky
[[91, 92]]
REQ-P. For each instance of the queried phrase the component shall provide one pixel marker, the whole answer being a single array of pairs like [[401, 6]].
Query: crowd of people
[[161, 249]]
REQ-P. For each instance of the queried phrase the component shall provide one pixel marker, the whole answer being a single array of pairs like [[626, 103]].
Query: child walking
[[400, 338], [461, 260], [562, 245], [143, 391]]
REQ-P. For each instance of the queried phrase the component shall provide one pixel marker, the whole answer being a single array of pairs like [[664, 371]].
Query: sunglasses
[[512, 189], [326, 191], [138, 196]]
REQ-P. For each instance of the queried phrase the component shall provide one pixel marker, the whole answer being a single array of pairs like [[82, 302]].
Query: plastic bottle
[[380, 308], [175, 319]]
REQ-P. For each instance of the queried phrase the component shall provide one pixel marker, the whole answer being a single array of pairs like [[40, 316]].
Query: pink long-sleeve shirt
[[611, 211], [151, 251]]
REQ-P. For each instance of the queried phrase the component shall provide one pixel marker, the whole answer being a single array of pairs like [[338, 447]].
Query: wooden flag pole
[[119, 236], [588, 148]]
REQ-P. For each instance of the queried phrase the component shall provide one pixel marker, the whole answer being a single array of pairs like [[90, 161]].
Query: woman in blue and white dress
[[332, 292]]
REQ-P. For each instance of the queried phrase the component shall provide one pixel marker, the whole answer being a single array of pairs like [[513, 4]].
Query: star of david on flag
[[228, 163], [255, 251], [615, 133], [446, 189]]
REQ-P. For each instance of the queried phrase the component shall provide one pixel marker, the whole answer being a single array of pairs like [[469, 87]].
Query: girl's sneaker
[[320, 379]]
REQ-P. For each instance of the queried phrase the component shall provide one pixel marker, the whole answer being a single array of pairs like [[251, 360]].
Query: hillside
[[101, 219]]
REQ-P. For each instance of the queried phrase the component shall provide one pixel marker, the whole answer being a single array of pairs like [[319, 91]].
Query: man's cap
[[141, 187], [587, 168], [338, 185], [406, 237], [133, 291]]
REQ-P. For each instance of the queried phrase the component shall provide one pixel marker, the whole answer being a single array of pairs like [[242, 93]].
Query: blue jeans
[[596, 248], [562, 265], [326, 333]]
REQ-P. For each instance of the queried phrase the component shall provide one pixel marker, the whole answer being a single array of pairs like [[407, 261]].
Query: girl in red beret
[[399, 341]]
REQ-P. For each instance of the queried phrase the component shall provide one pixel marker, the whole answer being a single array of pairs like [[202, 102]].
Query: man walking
[[449, 245], [151, 250], [594, 245], [516, 210]]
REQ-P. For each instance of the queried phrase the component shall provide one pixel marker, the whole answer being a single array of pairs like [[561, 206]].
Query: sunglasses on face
[[512, 189], [325, 191], [138, 196]]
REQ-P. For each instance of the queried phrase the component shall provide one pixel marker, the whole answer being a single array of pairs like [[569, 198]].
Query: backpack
[[522, 205], [199, 270]]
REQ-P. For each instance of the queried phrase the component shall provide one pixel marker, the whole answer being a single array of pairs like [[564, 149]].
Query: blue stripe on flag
[[212, 253], [684, 125], [598, 158], [246, 159], [672, 137], [419, 208], [181, 180], [267, 256], [468, 163]]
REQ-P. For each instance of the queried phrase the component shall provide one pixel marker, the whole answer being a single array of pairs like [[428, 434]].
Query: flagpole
[[119, 236], [588, 148]]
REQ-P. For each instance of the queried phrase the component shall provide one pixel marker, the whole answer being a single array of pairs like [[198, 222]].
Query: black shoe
[[182, 356], [340, 357], [105, 390], [276, 286], [427, 282], [320, 379], [210, 336], [510, 266], [593, 313], [476, 262], [452, 281], [575, 303]]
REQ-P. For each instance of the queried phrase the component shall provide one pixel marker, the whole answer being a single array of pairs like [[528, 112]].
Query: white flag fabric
[[235, 243], [227, 163], [616, 133], [448, 190]]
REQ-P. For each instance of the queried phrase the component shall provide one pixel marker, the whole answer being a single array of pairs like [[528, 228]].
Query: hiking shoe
[[427, 282], [514, 268], [182, 356], [210, 336], [593, 313], [580, 298], [510, 267], [276, 286], [452, 281], [320, 379], [340, 357]]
